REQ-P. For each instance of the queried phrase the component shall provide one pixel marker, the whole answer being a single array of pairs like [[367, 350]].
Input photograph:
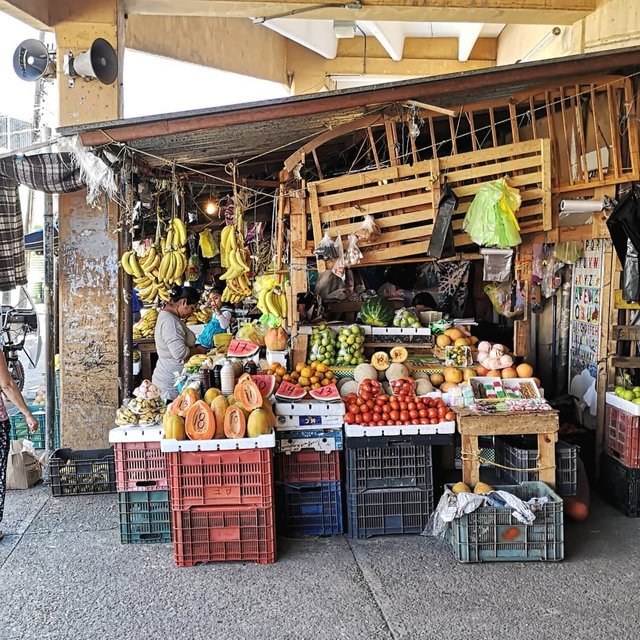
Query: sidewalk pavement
[[65, 576]]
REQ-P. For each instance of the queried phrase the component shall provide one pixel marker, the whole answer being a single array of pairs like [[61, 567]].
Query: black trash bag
[[631, 274], [624, 223], [441, 242]]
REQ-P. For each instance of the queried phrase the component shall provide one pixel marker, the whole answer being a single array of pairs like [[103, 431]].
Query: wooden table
[[471, 425], [148, 356]]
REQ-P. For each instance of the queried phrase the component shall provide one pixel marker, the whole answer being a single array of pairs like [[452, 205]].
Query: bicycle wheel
[[17, 372]]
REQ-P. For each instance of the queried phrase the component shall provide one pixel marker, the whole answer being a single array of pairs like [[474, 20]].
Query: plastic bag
[[568, 252], [339, 268], [441, 241], [253, 332], [353, 255], [491, 220], [351, 346], [368, 230], [403, 387], [326, 249], [322, 345], [507, 300], [372, 387]]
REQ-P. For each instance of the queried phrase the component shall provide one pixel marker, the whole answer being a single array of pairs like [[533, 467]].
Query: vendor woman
[[175, 343], [220, 320]]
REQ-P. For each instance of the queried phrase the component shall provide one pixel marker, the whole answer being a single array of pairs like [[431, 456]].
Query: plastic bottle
[[251, 367], [215, 376], [227, 378]]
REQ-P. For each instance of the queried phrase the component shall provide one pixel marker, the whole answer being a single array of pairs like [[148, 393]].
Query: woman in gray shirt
[[175, 343]]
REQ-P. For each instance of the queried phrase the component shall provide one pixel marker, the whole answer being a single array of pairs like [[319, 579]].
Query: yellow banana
[[142, 283], [270, 305], [135, 267], [168, 277], [149, 267], [163, 293], [170, 241], [149, 294], [282, 299], [124, 261], [262, 304], [164, 266], [148, 258], [180, 231]]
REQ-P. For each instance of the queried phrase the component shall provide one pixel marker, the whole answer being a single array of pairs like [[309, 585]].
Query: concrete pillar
[[88, 248]]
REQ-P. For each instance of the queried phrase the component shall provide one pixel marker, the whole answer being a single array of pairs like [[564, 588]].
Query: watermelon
[[242, 349], [329, 393], [266, 384], [377, 312], [289, 391]]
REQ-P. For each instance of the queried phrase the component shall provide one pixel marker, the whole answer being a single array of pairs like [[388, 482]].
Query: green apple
[[636, 401], [628, 395], [619, 391]]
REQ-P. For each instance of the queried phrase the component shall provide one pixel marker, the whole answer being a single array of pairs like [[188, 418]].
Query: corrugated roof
[[240, 131]]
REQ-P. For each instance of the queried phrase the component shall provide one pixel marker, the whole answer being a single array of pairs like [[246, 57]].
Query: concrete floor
[[65, 576]]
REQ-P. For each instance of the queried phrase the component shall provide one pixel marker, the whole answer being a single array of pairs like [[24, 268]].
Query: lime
[[628, 395], [619, 391]]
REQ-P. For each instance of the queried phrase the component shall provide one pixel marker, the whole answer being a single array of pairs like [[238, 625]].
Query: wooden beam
[[32, 12]]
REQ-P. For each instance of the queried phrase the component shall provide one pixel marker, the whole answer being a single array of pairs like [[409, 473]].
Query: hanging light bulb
[[414, 130], [211, 208]]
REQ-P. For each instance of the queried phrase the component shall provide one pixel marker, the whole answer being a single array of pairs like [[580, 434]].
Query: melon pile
[[247, 413]]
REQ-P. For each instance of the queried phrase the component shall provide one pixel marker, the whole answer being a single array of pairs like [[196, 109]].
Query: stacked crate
[[142, 485], [222, 499], [620, 468], [20, 430], [390, 478], [308, 445]]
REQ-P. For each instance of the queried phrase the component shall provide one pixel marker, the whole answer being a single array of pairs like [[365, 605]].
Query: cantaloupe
[[396, 370], [451, 374], [423, 387], [436, 379], [349, 386], [524, 370], [364, 371]]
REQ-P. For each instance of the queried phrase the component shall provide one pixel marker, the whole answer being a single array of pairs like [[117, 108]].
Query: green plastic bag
[[491, 220]]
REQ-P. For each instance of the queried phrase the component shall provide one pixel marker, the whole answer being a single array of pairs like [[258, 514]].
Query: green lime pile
[[632, 395], [322, 345], [406, 318], [350, 346]]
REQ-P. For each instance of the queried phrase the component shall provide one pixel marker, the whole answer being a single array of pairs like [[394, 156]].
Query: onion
[[493, 363], [494, 353], [484, 346], [500, 348], [506, 360]]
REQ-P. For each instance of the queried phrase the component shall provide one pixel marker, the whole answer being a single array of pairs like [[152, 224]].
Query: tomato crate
[[381, 512], [224, 534], [140, 466], [622, 436], [74, 473], [521, 453], [210, 478], [400, 464], [620, 486], [492, 534], [308, 465], [20, 430], [145, 517], [310, 509]]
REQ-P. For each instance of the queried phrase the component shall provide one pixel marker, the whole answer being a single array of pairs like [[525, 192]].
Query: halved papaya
[[181, 405], [235, 422], [380, 361], [200, 423], [248, 394], [398, 354]]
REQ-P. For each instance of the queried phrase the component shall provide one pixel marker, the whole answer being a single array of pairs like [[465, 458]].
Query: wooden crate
[[402, 199]]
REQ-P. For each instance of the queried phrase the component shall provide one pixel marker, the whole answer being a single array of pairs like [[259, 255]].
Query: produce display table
[[472, 425], [148, 356]]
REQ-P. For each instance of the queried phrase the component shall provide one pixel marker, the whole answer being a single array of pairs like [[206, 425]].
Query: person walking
[[9, 390]]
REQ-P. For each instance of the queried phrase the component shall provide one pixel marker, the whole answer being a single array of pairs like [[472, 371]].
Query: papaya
[[247, 393], [211, 394], [200, 423], [219, 407], [173, 427], [181, 405], [258, 423], [266, 406], [235, 422]]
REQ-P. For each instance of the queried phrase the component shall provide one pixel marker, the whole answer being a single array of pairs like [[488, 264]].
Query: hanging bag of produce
[[326, 249], [339, 268], [491, 220], [322, 345], [353, 255], [441, 241], [350, 346], [369, 230]]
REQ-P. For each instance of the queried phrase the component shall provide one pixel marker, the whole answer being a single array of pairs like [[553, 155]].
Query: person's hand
[[32, 423]]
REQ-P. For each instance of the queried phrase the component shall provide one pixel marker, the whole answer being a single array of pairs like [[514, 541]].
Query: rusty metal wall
[[88, 293]]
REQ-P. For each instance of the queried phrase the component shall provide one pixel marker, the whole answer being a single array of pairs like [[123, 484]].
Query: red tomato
[[424, 421], [376, 417], [382, 399], [367, 417], [348, 418], [413, 414], [411, 406], [407, 422], [434, 421], [420, 406], [432, 413], [394, 415], [365, 395], [404, 415], [390, 423], [439, 402], [370, 404], [354, 408], [428, 402], [395, 405], [423, 413], [403, 405], [360, 401], [357, 419], [441, 412], [386, 409], [381, 423], [449, 416]]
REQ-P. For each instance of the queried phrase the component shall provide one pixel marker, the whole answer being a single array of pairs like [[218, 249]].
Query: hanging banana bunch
[[273, 301], [174, 255], [234, 258]]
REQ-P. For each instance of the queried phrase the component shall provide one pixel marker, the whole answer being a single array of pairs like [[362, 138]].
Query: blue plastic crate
[[20, 430], [310, 509], [490, 534], [319, 439], [388, 511], [145, 517]]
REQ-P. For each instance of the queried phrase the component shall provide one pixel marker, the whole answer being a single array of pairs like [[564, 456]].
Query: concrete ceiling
[[319, 36]]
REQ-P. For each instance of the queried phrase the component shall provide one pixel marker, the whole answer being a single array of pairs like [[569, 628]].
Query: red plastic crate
[[224, 534], [622, 437], [210, 478], [140, 466], [309, 466]]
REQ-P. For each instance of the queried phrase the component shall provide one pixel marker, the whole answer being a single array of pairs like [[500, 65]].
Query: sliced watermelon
[[329, 393], [290, 391], [242, 349], [266, 384]]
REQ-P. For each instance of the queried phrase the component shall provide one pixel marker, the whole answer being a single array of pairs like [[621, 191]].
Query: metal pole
[[126, 282], [49, 332]]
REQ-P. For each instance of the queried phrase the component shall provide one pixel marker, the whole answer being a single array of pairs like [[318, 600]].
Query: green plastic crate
[[19, 429], [145, 517], [490, 534]]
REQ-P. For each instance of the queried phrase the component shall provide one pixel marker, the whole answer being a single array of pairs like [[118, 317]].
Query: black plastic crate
[[620, 486], [145, 517], [76, 473], [398, 465], [309, 509], [492, 534], [388, 511], [521, 452]]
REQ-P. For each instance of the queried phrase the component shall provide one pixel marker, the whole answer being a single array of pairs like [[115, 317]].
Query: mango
[[258, 423]]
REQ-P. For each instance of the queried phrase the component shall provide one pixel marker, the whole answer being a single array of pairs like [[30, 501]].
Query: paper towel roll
[[581, 206]]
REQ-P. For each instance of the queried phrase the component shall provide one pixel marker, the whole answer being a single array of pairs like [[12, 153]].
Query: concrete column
[[88, 248]]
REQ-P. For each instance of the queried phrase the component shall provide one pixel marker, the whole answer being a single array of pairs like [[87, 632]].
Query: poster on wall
[[584, 334]]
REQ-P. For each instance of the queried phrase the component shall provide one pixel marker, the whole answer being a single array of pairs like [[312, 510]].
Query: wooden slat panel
[[499, 168], [626, 333], [625, 362], [374, 192], [374, 207]]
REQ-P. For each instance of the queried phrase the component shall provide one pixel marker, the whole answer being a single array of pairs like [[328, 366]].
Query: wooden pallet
[[403, 199]]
